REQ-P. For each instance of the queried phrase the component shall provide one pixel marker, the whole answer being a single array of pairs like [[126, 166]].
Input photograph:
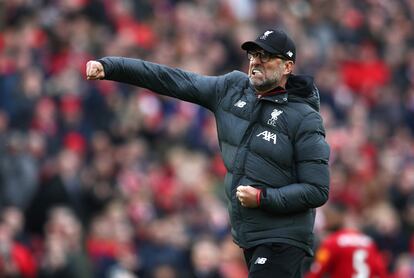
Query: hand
[[94, 70], [247, 196]]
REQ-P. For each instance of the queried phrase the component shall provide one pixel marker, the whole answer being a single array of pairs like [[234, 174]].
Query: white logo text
[[260, 260], [268, 136], [266, 34], [240, 104]]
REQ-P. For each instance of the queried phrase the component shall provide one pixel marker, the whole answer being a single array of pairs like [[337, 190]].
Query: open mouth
[[256, 72]]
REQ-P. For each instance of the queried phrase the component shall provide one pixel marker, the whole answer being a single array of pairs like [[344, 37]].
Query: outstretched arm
[[188, 86]]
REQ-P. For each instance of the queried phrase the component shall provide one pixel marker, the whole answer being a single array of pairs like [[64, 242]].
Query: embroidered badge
[[275, 113]]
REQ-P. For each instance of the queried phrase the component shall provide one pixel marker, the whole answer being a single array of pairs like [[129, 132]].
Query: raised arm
[[177, 83]]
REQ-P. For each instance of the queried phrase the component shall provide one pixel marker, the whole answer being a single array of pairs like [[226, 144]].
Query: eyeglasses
[[264, 56]]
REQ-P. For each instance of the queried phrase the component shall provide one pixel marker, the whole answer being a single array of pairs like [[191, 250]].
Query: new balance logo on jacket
[[260, 260], [240, 104]]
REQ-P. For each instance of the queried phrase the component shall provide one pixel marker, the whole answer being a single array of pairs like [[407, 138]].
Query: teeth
[[255, 71]]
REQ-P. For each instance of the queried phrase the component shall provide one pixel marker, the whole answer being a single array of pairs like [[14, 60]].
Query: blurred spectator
[[13, 217], [385, 227], [64, 141], [73, 127], [111, 244], [19, 172], [64, 254], [404, 267], [346, 251], [63, 187], [44, 121], [205, 259], [164, 242], [231, 260], [16, 260]]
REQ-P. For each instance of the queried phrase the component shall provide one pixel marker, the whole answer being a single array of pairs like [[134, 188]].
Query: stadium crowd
[[100, 179]]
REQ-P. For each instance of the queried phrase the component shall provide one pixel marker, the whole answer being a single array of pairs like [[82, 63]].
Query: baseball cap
[[274, 41]]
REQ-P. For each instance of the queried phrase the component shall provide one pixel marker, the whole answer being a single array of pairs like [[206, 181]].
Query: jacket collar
[[277, 95]]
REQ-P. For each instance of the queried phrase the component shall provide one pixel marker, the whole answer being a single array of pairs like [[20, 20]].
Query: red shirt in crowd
[[348, 254], [21, 259]]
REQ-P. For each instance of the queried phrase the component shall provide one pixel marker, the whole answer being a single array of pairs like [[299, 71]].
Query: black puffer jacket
[[275, 143]]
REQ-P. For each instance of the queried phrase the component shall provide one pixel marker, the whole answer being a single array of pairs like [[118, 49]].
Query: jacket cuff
[[106, 67], [258, 193]]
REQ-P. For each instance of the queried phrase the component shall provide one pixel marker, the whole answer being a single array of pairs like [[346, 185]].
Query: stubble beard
[[267, 84], [263, 86]]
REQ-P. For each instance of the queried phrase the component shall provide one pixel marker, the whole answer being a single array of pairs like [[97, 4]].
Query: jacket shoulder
[[300, 111], [234, 82], [305, 118], [237, 78], [303, 109]]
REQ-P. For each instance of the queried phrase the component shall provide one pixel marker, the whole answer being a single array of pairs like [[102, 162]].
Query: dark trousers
[[274, 260]]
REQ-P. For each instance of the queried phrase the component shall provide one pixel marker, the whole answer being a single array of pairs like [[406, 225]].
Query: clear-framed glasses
[[264, 56]]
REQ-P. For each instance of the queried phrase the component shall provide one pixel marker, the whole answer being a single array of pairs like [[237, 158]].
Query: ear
[[289, 65]]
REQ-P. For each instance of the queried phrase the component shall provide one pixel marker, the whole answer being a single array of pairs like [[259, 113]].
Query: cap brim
[[250, 45]]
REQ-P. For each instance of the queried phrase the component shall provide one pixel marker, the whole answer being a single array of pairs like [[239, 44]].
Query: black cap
[[274, 41]]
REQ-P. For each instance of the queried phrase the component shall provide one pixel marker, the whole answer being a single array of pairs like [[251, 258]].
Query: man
[[272, 141], [346, 252]]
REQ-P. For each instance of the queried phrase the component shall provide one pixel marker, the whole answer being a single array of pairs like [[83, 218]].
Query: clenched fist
[[94, 70], [248, 196]]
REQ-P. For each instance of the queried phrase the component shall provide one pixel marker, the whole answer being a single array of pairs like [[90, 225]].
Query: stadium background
[[99, 179]]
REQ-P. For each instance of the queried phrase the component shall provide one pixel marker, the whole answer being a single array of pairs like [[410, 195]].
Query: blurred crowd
[[100, 179]]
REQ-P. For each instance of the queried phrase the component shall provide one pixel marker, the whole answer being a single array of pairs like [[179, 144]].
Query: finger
[[89, 68], [89, 75], [94, 71]]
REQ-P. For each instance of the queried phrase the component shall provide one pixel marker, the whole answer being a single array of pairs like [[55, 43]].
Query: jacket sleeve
[[173, 82], [312, 172]]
